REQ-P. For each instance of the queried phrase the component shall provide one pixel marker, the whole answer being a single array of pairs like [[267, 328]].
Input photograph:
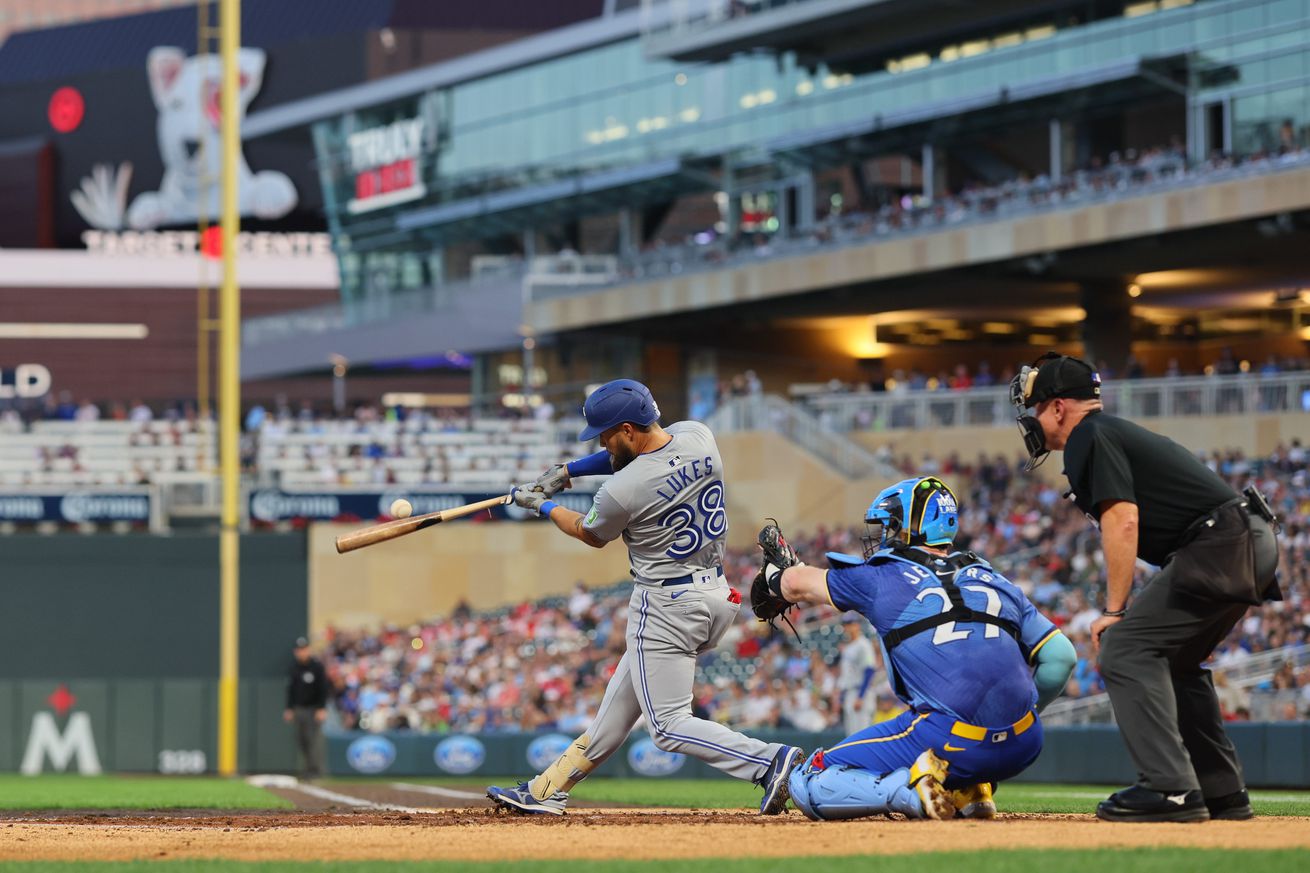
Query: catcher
[[965, 650]]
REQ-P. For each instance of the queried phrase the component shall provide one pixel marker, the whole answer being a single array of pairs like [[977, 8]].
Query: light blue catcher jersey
[[974, 671]]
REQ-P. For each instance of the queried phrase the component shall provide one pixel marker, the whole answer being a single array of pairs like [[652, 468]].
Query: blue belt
[[686, 580]]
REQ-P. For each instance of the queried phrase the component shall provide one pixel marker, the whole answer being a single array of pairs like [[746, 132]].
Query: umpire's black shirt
[[308, 685], [1108, 458]]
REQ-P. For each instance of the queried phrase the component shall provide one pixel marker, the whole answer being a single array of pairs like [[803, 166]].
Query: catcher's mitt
[[767, 601]]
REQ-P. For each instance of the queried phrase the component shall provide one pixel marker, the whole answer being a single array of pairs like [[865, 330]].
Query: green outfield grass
[[1120, 861], [63, 791], [731, 794]]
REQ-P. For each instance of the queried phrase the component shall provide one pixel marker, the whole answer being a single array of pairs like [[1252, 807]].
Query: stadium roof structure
[[1120, 81], [842, 34], [532, 49], [508, 211]]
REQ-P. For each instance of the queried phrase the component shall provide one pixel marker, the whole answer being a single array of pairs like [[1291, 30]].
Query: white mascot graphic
[[188, 94]]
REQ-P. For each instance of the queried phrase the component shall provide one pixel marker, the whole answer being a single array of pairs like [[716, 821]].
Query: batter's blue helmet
[[616, 402], [917, 512]]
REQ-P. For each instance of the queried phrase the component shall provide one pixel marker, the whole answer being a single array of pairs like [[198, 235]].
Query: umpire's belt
[[1209, 519], [973, 732], [707, 575]]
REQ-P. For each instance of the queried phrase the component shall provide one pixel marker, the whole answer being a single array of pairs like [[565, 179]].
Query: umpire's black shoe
[[1230, 807], [1144, 804]]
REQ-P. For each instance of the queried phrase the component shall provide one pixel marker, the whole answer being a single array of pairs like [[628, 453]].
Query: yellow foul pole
[[229, 385]]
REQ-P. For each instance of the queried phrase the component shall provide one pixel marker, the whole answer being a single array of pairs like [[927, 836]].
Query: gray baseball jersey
[[668, 506], [856, 657]]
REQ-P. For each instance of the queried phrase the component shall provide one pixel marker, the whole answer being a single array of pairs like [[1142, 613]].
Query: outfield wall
[[109, 650], [1273, 755]]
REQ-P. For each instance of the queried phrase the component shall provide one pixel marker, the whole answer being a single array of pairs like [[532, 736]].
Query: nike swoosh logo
[[1179, 799], [949, 748], [676, 596]]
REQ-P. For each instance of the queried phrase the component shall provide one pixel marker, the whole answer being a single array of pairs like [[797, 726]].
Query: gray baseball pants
[[1163, 699], [667, 629]]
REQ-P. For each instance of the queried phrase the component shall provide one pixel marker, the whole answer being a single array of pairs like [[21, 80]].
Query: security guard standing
[[1154, 500], [307, 697]]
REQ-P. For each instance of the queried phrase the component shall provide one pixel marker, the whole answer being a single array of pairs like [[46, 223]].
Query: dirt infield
[[483, 834]]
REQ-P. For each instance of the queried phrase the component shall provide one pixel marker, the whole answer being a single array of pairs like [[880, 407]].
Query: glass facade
[[610, 107]]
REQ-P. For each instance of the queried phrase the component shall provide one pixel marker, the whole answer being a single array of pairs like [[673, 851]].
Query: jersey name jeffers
[[685, 475]]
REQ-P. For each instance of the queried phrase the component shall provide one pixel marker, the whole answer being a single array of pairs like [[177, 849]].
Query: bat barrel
[[379, 533]]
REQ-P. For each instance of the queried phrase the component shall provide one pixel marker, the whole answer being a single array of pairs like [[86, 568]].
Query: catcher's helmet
[[914, 512], [616, 402]]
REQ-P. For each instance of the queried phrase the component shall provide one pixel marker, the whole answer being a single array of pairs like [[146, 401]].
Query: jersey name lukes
[[686, 475]]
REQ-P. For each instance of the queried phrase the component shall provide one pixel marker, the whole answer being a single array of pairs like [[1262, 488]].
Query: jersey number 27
[[692, 529], [946, 633]]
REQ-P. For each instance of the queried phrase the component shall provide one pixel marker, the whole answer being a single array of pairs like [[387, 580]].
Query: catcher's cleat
[[974, 801], [520, 800], [928, 778], [774, 780]]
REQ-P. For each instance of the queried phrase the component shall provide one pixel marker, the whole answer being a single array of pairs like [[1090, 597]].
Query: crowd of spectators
[[962, 377], [1129, 170], [543, 665]]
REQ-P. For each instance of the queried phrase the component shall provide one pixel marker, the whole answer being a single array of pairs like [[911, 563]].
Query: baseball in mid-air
[[401, 508]]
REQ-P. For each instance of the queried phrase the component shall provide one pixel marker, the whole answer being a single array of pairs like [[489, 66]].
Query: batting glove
[[525, 497], [553, 481]]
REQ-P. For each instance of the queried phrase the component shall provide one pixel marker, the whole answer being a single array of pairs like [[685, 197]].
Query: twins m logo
[[75, 743]]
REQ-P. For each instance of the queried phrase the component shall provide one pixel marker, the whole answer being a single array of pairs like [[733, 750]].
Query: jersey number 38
[[696, 523]]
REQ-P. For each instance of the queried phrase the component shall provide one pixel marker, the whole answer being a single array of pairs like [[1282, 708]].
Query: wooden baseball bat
[[380, 533]]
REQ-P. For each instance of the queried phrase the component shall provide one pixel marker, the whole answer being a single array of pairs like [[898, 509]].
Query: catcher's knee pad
[[845, 792]]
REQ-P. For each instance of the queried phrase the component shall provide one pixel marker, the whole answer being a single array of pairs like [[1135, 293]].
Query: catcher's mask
[[914, 512], [1050, 376]]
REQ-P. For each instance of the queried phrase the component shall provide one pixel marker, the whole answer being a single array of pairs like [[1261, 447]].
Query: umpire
[[1154, 500], [307, 697]]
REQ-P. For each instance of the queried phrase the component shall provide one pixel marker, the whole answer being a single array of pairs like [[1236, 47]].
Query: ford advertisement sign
[[650, 760], [371, 754], [459, 754], [543, 751]]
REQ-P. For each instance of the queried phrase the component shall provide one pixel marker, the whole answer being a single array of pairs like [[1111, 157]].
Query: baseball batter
[[666, 501]]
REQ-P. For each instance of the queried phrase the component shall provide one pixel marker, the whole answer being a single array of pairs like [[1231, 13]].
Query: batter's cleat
[[774, 780], [521, 800], [928, 778], [974, 801], [1143, 804], [1230, 807]]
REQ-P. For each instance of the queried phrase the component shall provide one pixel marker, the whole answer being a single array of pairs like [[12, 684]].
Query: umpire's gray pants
[[1164, 701], [667, 629], [309, 740]]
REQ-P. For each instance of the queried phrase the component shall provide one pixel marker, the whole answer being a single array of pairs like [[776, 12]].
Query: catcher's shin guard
[[844, 792]]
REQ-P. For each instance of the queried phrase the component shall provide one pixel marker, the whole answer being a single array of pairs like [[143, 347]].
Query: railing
[[1247, 673], [1136, 398], [566, 274], [773, 413]]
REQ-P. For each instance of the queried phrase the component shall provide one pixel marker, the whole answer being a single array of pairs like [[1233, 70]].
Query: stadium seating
[[102, 453], [543, 665], [421, 450]]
